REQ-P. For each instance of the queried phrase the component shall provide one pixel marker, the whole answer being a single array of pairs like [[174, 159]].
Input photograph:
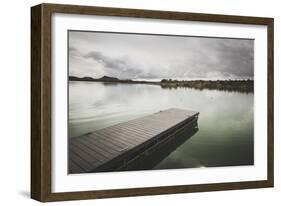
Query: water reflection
[[225, 138], [109, 83], [246, 90]]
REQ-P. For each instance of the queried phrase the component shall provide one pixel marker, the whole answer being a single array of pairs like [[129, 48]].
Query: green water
[[225, 135]]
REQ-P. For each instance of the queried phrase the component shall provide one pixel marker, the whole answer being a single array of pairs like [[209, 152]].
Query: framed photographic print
[[130, 102]]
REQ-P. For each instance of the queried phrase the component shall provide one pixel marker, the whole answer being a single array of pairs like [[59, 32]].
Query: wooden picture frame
[[41, 117]]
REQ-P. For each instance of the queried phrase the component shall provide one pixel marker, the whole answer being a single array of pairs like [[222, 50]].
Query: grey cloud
[[152, 56], [225, 58], [237, 56], [119, 67], [72, 49], [74, 52]]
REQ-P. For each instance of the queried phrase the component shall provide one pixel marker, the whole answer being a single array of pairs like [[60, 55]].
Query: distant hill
[[73, 78], [103, 79], [246, 86], [107, 78]]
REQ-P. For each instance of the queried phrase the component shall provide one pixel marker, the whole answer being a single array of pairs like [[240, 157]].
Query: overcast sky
[[131, 56]]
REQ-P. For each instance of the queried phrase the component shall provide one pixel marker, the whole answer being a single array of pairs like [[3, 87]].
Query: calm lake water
[[225, 136]]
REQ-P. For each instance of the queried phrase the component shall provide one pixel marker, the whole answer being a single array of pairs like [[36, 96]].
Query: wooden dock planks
[[107, 148]]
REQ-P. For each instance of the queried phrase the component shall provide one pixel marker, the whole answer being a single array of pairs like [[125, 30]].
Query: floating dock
[[117, 146]]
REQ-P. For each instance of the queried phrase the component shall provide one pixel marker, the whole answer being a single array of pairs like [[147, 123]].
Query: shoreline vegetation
[[244, 86]]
